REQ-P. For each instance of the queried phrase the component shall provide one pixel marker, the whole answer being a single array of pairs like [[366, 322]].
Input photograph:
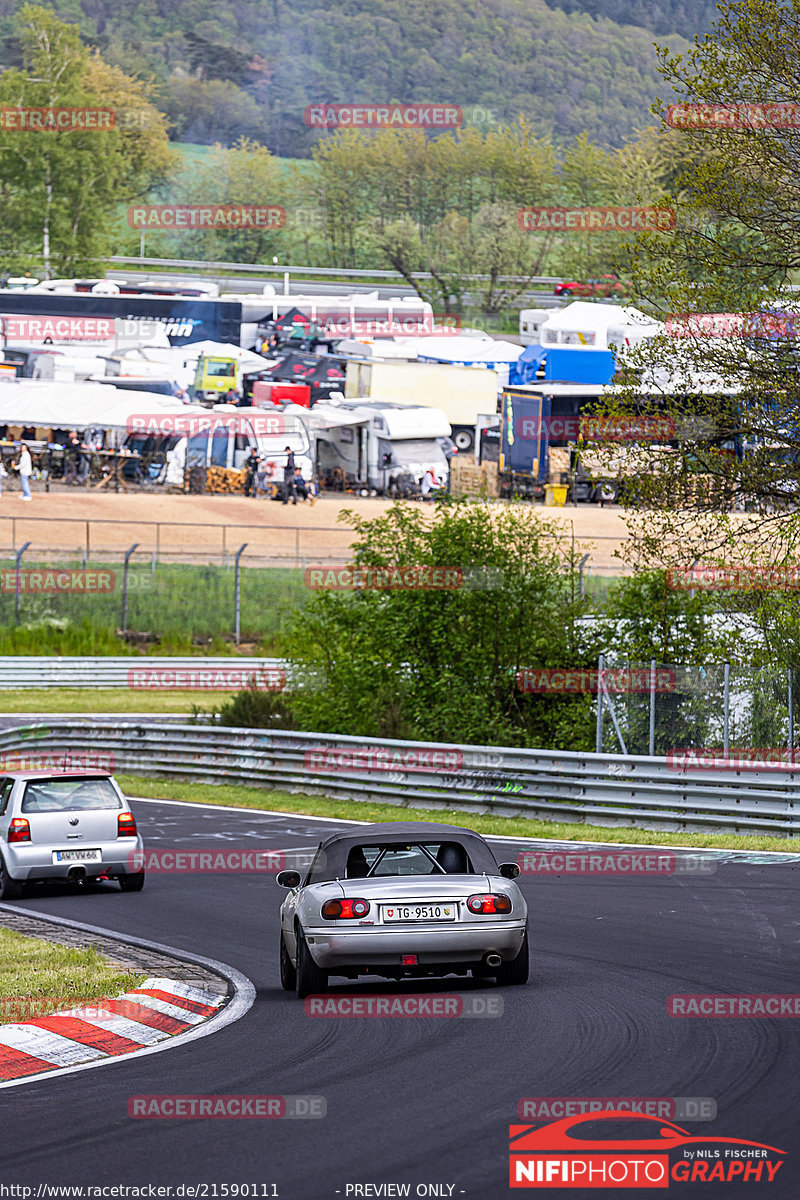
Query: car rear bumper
[[26, 862], [465, 944]]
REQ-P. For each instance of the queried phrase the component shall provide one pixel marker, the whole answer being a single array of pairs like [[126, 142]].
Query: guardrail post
[[652, 741], [17, 582], [128, 554], [726, 708], [599, 729], [237, 591], [790, 690], [581, 565]]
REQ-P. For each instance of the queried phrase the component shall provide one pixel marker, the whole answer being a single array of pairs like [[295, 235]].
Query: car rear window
[[68, 795], [416, 858]]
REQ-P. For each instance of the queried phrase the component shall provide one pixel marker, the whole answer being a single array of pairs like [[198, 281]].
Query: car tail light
[[345, 910], [19, 830], [488, 903], [126, 825]]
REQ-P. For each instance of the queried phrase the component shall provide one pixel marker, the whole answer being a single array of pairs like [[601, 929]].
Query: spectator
[[77, 463], [3, 475], [305, 490], [289, 485], [429, 484], [25, 468], [251, 464]]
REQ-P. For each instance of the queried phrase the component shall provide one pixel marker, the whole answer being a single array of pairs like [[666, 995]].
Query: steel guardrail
[[276, 269], [600, 789], [139, 672]]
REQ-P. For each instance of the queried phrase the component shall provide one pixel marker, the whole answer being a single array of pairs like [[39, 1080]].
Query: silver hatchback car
[[402, 900], [73, 826]]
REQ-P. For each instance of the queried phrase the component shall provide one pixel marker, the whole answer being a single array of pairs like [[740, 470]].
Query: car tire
[[311, 979], [465, 441], [10, 889], [133, 882], [516, 971], [288, 973]]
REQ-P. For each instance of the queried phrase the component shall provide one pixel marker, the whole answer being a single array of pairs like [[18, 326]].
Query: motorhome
[[462, 393], [387, 448]]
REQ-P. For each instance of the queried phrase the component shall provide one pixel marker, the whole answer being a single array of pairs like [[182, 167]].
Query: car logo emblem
[[73, 820]]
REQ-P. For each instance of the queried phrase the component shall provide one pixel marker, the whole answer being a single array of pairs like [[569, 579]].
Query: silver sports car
[[402, 900]]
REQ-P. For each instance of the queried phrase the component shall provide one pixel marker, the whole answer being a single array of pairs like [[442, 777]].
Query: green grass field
[[38, 977], [176, 601]]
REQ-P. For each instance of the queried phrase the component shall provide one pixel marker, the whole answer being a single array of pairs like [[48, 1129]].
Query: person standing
[[25, 468], [3, 475], [251, 466], [288, 477]]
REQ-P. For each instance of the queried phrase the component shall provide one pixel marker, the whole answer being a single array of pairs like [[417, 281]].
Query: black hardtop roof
[[337, 846]]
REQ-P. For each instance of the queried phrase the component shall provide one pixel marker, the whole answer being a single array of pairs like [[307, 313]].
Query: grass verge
[[39, 977], [106, 700], [356, 810]]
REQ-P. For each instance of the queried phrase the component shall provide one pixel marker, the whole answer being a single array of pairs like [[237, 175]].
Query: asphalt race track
[[429, 1101]]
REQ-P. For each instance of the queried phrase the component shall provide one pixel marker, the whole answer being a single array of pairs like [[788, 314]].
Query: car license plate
[[60, 856], [419, 912]]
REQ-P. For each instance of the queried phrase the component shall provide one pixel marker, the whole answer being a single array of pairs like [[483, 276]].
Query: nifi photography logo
[[622, 1149]]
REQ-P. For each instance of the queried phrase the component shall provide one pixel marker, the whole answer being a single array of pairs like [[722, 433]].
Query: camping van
[[386, 447]]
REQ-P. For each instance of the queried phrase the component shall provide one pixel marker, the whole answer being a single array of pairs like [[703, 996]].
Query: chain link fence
[[658, 708]]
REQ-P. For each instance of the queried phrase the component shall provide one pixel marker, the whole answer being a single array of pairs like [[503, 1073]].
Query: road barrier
[[17, 671], [598, 789]]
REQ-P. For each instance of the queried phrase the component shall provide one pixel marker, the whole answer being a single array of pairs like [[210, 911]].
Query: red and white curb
[[108, 1027]]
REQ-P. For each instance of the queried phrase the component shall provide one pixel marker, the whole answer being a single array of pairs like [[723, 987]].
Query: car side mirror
[[288, 879], [509, 870]]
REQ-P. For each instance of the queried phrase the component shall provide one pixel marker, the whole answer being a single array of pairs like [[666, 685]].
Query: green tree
[[442, 664], [61, 188]]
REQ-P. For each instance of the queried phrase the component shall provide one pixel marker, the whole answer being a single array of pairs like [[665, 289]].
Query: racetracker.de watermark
[[190, 425], [671, 1108], [172, 860], [596, 220], [327, 759], [745, 578], [54, 581], [779, 114], [422, 578], [755, 1004], [596, 429], [206, 216], [58, 329], [613, 862], [398, 324], [212, 679], [70, 762], [383, 116], [769, 325], [406, 1004], [226, 1108], [576, 681], [14, 1009], [748, 758], [56, 120]]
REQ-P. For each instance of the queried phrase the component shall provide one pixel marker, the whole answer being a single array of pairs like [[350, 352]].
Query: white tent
[[468, 351], [248, 360], [80, 406], [597, 326]]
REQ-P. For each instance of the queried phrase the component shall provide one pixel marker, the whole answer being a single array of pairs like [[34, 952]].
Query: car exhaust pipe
[[493, 960], [76, 875]]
